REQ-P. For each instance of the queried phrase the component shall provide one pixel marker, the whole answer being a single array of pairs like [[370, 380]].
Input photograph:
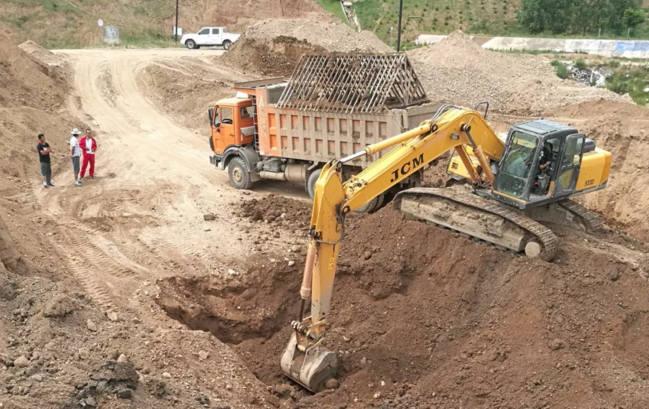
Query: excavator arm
[[306, 359]]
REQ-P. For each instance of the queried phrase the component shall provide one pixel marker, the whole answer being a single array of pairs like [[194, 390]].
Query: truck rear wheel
[[191, 44], [239, 174], [227, 44], [310, 184]]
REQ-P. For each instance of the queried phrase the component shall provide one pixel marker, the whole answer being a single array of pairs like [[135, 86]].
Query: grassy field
[[489, 17], [333, 7]]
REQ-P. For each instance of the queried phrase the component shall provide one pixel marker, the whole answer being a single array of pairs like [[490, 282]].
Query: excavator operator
[[542, 176]]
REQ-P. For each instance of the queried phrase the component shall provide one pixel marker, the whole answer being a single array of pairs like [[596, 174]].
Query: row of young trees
[[580, 16]]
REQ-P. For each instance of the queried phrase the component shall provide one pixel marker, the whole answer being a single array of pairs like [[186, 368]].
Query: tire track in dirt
[[159, 187]]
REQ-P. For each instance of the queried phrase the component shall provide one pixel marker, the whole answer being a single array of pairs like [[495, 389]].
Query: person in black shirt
[[44, 151], [546, 156]]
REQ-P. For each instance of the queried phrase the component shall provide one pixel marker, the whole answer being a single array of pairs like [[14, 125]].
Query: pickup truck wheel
[[310, 184], [191, 44], [239, 174], [227, 44]]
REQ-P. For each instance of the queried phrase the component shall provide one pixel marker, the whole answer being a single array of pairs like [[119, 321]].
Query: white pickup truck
[[207, 36]]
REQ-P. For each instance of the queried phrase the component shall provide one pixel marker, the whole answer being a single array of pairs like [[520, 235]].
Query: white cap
[[75, 131]]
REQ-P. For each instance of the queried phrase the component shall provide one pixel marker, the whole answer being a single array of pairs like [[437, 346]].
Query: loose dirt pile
[[273, 47], [458, 70], [277, 210], [484, 328]]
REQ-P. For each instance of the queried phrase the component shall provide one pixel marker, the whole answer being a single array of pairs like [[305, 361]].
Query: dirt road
[[141, 218]]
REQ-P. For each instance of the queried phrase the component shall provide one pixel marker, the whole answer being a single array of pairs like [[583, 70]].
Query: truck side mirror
[[210, 114]]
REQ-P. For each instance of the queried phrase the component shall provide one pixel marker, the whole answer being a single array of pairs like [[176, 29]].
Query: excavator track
[[531, 229], [590, 219]]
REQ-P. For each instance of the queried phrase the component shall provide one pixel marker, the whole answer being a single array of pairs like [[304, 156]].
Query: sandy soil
[[100, 249]]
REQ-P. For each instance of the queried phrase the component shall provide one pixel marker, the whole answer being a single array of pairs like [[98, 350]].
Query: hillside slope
[[73, 23], [491, 17]]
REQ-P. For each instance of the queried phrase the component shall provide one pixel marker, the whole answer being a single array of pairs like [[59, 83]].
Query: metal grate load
[[353, 84]]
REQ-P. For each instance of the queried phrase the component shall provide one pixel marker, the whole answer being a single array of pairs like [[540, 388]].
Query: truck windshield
[[516, 166]]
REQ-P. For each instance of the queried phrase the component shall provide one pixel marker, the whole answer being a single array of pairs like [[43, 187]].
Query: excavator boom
[[306, 360]]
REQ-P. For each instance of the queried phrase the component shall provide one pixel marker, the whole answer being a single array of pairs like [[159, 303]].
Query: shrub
[[580, 64], [562, 71]]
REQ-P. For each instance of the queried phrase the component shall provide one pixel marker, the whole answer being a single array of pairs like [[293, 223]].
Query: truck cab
[[232, 124]]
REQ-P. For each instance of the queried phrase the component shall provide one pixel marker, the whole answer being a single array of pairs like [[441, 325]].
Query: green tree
[[616, 10], [589, 15], [633, 18], [579, 16], [546, 15]]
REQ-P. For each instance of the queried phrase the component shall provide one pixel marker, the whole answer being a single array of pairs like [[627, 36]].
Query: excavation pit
[[423, 316]]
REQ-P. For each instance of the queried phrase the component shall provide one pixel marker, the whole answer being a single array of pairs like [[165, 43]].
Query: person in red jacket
[[88, 146]]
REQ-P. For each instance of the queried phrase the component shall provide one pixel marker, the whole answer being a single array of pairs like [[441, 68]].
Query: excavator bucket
[[311, 368]]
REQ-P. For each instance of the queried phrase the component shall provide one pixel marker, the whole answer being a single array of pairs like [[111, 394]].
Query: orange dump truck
[[270, 131]]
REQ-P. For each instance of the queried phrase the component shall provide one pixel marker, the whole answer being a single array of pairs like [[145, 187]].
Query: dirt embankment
[[273, 47], [458, 70], [423, 317], [185, 90]]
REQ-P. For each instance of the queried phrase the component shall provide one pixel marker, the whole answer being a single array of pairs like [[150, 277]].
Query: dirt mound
[[458, 70], [276, 57], [273, 47], [277, 210], [27, 82], [41, 54], [487, 328]]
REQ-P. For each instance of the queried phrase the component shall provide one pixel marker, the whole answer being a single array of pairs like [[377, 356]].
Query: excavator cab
[[543, 162]]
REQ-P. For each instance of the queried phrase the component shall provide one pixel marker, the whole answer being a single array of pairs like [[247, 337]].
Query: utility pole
[[176, 29], [399, 26]]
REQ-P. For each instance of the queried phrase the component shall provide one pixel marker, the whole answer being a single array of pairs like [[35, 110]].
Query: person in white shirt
[[75, 154]]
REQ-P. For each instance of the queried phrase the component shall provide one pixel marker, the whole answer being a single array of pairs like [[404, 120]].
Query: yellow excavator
[[518, 181]]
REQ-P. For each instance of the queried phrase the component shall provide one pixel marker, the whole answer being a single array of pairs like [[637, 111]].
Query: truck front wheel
[[239, 174], [191, 44]]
